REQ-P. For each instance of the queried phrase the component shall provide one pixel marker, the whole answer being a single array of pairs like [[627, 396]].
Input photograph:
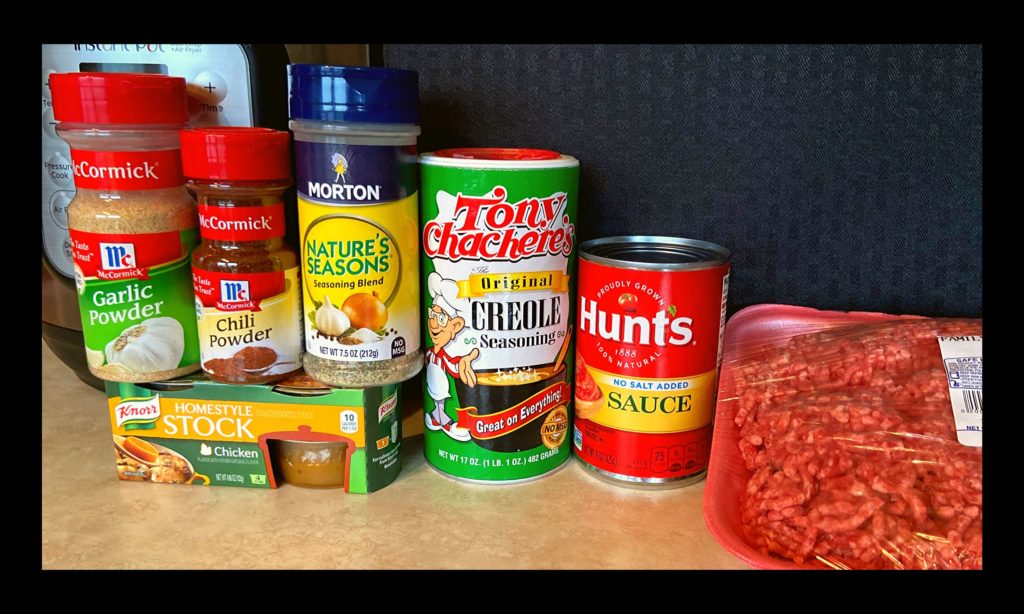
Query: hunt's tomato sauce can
[[650, 321]]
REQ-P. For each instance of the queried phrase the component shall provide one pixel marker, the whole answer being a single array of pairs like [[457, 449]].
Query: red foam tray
[[727, 475]]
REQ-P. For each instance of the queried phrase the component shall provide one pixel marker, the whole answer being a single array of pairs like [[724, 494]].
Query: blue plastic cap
[[353, 94]]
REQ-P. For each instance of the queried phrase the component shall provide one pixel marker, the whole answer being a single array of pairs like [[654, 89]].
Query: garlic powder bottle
[[132, 222]]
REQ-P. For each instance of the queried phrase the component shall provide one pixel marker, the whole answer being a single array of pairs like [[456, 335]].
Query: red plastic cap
[[239, 154], [498, 153], [118, 98]]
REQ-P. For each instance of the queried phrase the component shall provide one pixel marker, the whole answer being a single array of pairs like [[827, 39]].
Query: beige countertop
[[422, 521]]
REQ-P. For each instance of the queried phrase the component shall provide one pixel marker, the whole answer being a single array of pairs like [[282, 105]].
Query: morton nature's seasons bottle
[[650, 316], [499, 235], [355, 159], [132, 223]]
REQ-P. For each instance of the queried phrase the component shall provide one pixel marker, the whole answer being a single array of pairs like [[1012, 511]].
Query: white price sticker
[[961, 357]]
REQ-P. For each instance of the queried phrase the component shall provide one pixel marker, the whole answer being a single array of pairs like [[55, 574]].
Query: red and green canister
[[499, 246]]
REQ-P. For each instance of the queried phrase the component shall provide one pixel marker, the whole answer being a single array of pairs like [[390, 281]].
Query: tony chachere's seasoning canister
[[355, 160], [499, 235], [132, 222], [246, 279]]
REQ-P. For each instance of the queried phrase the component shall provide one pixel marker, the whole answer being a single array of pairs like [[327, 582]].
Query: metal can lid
[[654, 253], [513, 158]]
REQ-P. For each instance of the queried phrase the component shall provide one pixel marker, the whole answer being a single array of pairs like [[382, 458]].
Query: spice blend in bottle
[[132, 222], [246, 279], [499, 239], [355, 160]]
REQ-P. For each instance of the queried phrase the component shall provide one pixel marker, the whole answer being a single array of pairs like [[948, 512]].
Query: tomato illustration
[[628, 301]]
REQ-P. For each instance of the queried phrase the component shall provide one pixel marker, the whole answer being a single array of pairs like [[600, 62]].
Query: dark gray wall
[[842, 177]]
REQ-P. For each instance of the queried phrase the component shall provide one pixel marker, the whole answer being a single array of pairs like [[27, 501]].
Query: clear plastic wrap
[[848, 437]]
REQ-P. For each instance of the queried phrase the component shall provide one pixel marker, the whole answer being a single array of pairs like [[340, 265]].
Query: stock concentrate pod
[[499, 244]]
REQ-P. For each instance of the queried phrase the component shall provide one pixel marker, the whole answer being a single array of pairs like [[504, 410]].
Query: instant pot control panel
[[220, 92]]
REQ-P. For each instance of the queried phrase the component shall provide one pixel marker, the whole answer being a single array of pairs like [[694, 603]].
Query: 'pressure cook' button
[[58, 169]]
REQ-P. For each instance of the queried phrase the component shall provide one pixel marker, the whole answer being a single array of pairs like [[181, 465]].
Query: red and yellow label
[[649, 351], [644, 405]]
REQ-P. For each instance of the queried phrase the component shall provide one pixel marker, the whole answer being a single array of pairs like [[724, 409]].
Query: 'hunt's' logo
[[234, 291], [117, 256], [137, 413]]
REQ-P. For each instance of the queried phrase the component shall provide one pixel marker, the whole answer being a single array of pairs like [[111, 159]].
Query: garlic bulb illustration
[[156, 344], [330, 320]]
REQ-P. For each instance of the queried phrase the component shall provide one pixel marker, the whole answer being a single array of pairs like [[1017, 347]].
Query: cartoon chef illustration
[[444, 323]]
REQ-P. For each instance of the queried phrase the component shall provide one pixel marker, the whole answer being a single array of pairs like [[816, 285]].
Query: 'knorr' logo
[[137, 413], [387, 406]]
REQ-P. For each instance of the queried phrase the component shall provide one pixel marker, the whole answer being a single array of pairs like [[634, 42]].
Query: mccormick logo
[[250, 224], [234, 291], [343, 191], [117, 256], [129, 170], [490, 228], [661, 330], [137, 413]]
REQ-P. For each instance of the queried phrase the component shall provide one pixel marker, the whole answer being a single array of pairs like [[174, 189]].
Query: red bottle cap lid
[[118, 98], [497, 153], [239, 154]]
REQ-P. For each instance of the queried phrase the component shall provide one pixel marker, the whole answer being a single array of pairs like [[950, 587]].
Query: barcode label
[[972, 401], [961, 356]]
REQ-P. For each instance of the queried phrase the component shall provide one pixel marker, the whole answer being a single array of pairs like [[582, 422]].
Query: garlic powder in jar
[[132, 222]]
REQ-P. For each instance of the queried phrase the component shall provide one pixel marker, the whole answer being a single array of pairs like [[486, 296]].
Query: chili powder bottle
[[246, 279]]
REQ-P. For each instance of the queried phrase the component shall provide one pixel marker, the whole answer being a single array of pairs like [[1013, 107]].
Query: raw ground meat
[[851, 441]]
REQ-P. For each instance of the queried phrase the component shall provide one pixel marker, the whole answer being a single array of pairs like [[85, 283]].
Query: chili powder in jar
[[246, 279]]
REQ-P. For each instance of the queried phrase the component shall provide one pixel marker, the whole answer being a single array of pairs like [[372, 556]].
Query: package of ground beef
[[836, 444]]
